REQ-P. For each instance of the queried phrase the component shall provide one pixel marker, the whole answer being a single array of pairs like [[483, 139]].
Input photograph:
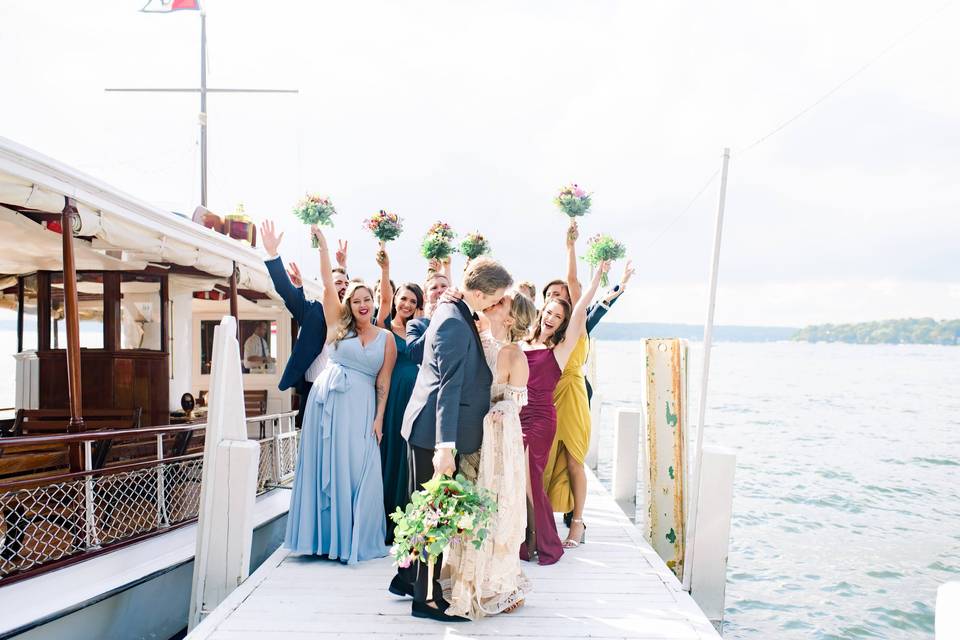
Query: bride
[[486, 581]]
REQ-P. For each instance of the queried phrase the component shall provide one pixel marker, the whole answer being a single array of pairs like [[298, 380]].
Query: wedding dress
[[486, 581]]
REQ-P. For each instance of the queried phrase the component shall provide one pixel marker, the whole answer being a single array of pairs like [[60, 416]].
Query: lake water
[[846, 513]]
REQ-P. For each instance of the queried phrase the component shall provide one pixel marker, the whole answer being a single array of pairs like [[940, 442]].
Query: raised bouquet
[[384, 225], [601, 248], [438, 243], [314, 209], [573, 200], [446, 511], [474, 245]]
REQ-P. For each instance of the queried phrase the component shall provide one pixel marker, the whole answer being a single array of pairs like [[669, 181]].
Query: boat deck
[[615, 586]]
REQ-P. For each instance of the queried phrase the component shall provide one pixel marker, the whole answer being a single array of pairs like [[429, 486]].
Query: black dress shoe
[[400, 587], [424, 610]]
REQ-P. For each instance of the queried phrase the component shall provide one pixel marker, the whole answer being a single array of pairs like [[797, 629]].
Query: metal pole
[[234, 302], [203, 108], [705, 374]]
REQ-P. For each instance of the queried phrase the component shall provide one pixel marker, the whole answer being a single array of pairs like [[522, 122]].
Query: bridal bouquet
[[474, 245], [446, 511], [603, 247], [314, 209], [438, 243], [385, 226], [573, 200]]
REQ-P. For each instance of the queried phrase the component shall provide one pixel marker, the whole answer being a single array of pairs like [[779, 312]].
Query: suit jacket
[[452, 392], [313, 328], [596, 311]]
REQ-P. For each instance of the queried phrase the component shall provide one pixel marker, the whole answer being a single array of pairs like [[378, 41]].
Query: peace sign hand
[[342, 253], [294, 274]]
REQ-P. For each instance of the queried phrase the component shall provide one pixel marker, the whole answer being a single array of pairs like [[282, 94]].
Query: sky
[[476, 113]]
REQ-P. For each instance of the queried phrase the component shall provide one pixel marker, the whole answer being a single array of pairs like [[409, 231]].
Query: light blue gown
[[336, 508]]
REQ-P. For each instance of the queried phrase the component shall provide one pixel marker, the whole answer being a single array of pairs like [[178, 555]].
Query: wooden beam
[[72, 318]]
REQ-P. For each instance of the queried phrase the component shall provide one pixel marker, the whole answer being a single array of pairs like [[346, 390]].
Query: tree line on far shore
[[903, 331]]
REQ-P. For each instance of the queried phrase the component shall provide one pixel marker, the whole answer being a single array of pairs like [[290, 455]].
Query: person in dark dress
[[398, 312]]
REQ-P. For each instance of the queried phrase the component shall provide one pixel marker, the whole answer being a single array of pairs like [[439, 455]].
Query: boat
[[115, 302]]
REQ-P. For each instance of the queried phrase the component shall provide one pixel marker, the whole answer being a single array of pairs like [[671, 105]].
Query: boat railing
[[52, 521]]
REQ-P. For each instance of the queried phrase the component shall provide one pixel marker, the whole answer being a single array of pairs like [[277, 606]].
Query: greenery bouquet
[[314, 209], [474, 245], [438, 243], [603, 247], [446, 511], [384, 225], [573, 200]]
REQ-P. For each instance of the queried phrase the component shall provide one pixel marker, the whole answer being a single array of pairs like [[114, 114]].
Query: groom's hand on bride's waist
[[443, 462]]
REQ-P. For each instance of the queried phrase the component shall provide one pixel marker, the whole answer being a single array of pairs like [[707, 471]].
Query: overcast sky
[[475, 113]]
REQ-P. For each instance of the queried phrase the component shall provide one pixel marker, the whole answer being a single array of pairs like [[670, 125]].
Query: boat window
[[90, 303], [258, 345], [140, 312], [31, 334]]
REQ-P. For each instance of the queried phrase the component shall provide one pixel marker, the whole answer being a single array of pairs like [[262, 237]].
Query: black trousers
[[421, 472]]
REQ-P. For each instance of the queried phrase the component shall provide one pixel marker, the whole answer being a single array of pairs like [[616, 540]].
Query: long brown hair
[[523, 312], [348, 323], [560, 334]]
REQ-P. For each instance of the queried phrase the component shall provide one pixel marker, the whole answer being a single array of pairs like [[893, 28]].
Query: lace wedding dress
[[486, 581]]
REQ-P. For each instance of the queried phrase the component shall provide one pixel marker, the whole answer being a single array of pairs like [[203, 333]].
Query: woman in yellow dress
[[564, 476]]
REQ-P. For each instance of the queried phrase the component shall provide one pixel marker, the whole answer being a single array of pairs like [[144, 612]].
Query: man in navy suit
[[446, 410], [307, 313]]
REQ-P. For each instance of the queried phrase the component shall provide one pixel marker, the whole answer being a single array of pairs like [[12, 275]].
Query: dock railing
[[51, 521]]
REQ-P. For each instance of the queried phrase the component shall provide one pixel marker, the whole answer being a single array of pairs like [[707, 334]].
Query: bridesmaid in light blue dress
[[336, 508]]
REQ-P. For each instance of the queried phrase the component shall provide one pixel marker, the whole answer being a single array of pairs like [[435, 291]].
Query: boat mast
[[71, 316], [203, 108]]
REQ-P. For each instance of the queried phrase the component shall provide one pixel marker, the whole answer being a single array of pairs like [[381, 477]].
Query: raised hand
[[383, 260], [451, 295], [573, 233], [321, 239], [271, 241], [342, 253], [628, 272], [294, 274], [433, 265]]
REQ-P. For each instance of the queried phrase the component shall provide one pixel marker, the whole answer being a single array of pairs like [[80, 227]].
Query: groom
[[445, 414]]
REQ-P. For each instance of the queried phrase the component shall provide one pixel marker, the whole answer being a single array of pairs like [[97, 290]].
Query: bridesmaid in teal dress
[[336, 507], [403, 306]]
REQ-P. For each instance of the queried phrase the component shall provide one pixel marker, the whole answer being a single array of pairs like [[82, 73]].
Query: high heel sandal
[[570, 543]]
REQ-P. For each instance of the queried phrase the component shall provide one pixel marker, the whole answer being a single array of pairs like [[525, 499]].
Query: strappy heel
[[570, 543]]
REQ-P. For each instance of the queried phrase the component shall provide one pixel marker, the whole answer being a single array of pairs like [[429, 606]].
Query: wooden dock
[[614, 586]]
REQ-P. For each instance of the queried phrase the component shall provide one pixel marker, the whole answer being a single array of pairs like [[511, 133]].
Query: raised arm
[[417, 338], [292, 296], [386, 291], [573, 282], [578, 318], [383, 384], [331, 303], [596, 312]]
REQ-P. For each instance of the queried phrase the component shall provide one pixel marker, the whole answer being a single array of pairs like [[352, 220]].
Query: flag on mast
[[166, 6]]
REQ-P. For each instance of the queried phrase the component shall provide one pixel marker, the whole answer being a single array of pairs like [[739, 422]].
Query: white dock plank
[[615, 586]]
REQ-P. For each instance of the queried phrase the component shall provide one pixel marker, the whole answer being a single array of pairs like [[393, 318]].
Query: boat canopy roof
[[114, 230]]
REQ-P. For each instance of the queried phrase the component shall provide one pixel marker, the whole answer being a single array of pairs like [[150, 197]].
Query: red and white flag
[[166, 6]]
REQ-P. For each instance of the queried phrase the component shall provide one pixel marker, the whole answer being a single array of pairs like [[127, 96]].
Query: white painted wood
[[28, 380], [690, 534], [614, 586], [709, 569], [626, 455], [947, 617], [229, 482], [181, 338]]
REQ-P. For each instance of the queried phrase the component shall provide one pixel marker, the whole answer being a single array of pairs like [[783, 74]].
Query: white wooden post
[[709, 568], [230, 462], [626, 458], [947, 617]]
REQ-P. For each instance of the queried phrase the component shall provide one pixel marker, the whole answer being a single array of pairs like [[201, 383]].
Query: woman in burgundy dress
[[555, 335]]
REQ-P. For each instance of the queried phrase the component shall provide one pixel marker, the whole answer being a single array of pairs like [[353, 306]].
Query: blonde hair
[[523, 312], [348, 323], [487, 276]]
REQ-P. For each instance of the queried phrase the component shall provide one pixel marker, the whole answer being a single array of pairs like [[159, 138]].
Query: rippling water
[[846, 513]]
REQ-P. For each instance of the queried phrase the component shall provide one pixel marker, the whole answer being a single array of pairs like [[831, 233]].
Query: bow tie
[[476, 317]]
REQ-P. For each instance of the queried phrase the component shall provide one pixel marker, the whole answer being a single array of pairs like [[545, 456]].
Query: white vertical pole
[[705, 374], [626, 457]]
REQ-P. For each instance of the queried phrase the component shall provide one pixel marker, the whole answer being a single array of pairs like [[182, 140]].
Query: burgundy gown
[[538, 421]]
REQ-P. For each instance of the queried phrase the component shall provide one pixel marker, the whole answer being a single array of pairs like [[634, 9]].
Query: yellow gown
[[573, 428]]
